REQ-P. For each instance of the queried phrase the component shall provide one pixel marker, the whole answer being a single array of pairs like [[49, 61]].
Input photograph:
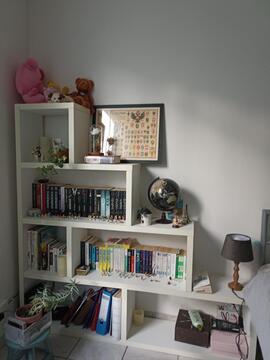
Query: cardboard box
[[224, 343], [187, 333]]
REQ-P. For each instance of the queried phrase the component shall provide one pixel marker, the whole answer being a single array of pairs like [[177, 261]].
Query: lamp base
[[236, 286]]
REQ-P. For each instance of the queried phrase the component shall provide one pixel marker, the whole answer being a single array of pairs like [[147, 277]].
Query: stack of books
[[71, 200], [128, 256], [44, 248]]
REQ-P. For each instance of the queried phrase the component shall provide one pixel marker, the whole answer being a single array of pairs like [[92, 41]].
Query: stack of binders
[[97, 310]]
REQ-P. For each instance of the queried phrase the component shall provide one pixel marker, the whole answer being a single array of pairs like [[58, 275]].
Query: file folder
[[104, 317]]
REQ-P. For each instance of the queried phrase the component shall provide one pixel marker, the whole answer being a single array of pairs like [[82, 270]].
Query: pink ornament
[[29, 82]]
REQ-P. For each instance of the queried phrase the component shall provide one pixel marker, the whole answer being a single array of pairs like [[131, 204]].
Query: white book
[[158, 263], [168, 270], [116, 315], [173, 265], [164, 264]]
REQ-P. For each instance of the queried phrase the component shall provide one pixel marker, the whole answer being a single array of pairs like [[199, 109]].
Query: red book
[[43, 198], [38, 195], [93, 324], [132, 261]]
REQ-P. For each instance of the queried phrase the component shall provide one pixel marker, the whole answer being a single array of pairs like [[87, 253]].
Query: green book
[[180, 270]]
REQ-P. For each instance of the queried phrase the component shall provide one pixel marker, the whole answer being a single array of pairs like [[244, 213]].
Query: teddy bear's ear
[[77, 81], [91, 84]]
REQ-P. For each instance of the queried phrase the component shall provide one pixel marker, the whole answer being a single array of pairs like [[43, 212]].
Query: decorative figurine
[[111, 142], [182, 220], [95, 132], [175, 222], [36, 153]]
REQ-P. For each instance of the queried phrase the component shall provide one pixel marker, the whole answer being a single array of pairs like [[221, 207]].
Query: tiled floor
[[72, 348]]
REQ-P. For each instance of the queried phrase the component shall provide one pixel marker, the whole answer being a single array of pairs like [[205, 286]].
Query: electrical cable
[[243, 356]]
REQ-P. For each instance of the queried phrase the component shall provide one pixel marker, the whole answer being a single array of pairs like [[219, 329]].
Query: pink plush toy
[[29, 82]]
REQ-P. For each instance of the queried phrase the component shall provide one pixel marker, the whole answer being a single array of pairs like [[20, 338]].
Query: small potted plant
[[56, 158], [145, 216], [44, 301]]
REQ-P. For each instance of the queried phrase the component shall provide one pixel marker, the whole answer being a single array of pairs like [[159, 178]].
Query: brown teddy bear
[[83, 95]]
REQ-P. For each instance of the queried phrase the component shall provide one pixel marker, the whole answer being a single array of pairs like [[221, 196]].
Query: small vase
[[146, 219]]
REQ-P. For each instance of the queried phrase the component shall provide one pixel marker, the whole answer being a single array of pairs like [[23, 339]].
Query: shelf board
[[45, 276], [158, 335], [78, 332], [95, 278], [85, 223], [176, 288], [90, 167], [142, 337], [48, 109]]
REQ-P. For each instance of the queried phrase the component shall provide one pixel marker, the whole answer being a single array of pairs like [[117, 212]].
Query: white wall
[[13, 50], [209, 62]]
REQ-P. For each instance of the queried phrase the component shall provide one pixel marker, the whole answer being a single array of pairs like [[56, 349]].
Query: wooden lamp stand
[[235, 285]]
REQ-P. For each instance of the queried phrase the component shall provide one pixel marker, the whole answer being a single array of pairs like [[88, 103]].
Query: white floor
[[66, 347]]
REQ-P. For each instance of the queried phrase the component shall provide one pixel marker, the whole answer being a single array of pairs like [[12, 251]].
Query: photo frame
[[135, 130], [265, 236]]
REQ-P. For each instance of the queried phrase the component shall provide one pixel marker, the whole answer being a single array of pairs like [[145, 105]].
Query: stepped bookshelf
[[70, 122]]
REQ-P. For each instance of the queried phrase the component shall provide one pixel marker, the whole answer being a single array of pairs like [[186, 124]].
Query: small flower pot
[[21, 314], [146, 219]]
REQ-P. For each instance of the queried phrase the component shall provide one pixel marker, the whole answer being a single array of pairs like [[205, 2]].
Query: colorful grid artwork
[[135, 130]]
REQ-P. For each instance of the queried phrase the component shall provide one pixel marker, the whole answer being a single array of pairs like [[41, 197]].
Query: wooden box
[[187, 333]]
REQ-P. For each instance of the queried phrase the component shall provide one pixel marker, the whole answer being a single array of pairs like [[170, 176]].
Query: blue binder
[[104, 317]]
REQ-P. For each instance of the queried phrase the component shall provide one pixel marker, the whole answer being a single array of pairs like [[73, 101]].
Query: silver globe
[[163, 195]]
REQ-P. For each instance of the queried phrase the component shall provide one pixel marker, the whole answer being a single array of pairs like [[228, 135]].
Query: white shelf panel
[[47, 109], [84, 223], [94, 278], [45, 276], [158, 335], [79, 332], [89, 167]]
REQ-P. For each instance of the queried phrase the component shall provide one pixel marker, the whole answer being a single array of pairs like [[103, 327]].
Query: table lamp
[[238, 248]]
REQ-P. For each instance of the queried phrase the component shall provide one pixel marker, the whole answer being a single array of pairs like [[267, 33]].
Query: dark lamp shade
[[238, 248]]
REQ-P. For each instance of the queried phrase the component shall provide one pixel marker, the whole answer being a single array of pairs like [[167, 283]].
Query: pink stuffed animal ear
[[32, 63]]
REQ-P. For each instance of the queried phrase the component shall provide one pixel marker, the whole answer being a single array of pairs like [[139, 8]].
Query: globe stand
[[163, 219]]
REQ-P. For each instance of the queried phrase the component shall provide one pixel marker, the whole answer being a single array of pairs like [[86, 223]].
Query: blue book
[[138, 261], [93, 259]]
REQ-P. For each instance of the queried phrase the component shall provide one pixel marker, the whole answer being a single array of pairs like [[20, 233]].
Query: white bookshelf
[[71, 122]]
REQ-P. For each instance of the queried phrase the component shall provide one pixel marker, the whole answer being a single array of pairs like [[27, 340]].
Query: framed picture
[[130, 131], [265, 236]]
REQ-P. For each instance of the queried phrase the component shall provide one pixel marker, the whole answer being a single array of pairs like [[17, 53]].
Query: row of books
[[44, 248], [71, 200], [98, 310], [127, 255]]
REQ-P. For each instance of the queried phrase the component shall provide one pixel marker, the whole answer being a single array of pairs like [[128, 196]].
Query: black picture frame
[[132, 107]]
